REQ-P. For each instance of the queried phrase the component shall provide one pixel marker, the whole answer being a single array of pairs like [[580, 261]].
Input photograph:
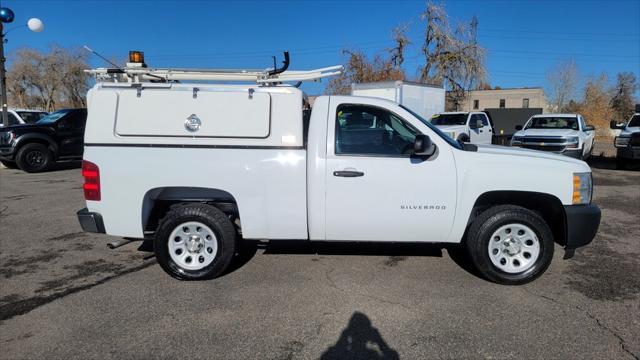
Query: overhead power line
[[633, 35]]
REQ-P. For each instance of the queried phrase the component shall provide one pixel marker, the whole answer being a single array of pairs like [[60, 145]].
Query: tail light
[[91, 174]]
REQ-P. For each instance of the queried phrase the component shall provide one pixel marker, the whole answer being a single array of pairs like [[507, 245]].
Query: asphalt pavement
[[65, 295]]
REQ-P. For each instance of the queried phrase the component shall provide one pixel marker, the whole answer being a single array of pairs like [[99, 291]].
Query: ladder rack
[[137, 74]]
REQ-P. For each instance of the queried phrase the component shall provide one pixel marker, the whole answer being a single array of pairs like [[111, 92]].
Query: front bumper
[[560, 149], [91, 221], [629, 152], [582, 222], [7, 153]]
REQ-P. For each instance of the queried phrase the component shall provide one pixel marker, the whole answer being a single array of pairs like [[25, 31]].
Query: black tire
[[483, 227], [9, 164], [208, 215], [34, 158], [621, 163]]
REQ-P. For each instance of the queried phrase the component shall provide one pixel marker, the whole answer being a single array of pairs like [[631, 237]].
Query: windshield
[[53, 117], [446, 138], [449, 119], [553, 123], [635, 121]]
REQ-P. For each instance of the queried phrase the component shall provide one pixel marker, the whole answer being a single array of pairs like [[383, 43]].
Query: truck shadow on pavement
[[395, 252], [609, 163], [360, 340]]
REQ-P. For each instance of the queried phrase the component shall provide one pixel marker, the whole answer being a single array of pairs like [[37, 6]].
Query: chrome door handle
[[348, 173]]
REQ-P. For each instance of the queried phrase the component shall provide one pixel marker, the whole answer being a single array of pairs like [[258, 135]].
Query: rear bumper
[[582, 224], [91, 221]]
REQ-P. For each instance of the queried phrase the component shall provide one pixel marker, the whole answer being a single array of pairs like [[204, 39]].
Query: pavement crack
[[592, 317], [333, 284], [23, 306]]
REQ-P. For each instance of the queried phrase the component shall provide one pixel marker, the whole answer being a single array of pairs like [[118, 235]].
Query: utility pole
[[7, 16]]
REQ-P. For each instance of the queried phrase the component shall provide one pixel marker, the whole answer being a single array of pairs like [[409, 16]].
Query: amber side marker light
[[136, 57], [582, 188]]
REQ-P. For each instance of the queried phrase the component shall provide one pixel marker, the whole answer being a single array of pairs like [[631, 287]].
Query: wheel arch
[[39, 139], [156, 202], [548, 206]]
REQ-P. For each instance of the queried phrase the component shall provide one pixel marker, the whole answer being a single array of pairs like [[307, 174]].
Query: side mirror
[[616, 125], [589, 128], [518, 127], [423, 146]]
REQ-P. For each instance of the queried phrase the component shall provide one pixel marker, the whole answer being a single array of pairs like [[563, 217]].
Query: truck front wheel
[[194, 242], [34, 157], [510, 245]]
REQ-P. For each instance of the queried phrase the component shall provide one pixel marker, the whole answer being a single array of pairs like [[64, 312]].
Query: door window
[[31, 117], [485, 120], [476, 117], [368, 130]]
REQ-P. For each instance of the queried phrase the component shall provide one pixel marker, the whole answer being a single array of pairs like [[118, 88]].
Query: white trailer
[[425, 100]]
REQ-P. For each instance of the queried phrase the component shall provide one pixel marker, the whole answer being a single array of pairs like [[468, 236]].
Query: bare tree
[[359, 69], [563, 80], [595, 105], [48, 80], [401, 42], [453, 58], [622, 100]]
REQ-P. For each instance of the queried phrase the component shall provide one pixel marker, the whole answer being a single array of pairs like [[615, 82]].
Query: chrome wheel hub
[[514, 248], [192, 245], [195, 244]]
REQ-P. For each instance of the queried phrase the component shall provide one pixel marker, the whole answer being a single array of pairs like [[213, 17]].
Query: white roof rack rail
[[138, 72], [259, 76]]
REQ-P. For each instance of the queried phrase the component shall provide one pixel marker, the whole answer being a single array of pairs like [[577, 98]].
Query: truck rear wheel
[[194, 242], [510, 245]]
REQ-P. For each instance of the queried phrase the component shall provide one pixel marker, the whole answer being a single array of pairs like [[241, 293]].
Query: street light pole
[[35, 25], [3, 83]]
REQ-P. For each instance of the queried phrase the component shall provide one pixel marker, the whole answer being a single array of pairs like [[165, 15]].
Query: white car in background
[[565, 134], [473, 127], [23, 116]]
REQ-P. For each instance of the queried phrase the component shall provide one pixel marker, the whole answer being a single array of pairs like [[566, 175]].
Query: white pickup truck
[[627, 142], [565, 134], [226, 162], [473, 127]]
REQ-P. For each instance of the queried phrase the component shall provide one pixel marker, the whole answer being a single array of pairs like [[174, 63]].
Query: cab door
[[589, 136], [482, 134], [375, 189]]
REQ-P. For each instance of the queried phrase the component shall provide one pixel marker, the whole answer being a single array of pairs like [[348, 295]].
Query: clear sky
[[524, 39]]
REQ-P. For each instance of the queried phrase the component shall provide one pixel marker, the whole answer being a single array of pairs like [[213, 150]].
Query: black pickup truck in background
[[35, 147]]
